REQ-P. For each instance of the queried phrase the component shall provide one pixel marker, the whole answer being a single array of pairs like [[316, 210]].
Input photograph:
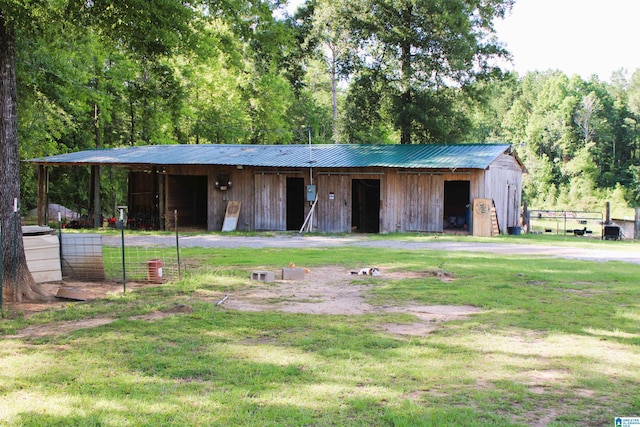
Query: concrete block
[[293, 273], [262, 276], [71, 293]]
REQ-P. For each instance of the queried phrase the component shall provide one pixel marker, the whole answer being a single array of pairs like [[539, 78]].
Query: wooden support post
[[43, 205], [95, 174], [162, 208], [607, 213], [636, 228], [155, 193]]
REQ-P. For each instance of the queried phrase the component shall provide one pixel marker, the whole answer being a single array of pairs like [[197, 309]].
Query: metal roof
[[429, 156]]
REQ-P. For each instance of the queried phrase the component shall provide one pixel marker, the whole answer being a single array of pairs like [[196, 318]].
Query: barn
[[324, 187]]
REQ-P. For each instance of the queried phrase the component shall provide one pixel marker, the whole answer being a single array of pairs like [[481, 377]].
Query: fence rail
[[566, 222]]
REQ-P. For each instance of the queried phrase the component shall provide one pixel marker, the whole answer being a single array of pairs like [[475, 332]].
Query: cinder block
[[293, 273], [262, 276], [71, 293]]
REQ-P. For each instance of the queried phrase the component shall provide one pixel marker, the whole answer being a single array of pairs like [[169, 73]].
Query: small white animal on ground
[[371, 271]]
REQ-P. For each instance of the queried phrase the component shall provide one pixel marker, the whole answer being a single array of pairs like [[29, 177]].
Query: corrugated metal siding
[[475, 156]]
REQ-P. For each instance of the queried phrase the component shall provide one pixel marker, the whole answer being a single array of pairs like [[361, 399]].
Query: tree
[[584, 116], [155, 28], [327, 36], [17, 280], [423, 47]]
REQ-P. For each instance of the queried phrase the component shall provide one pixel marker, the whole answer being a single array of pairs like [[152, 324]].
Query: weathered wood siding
[[391, 205], [423, 204], [270, 201], [410, 200], [414, 199], [503, 184], [333, 215], [140, 192]]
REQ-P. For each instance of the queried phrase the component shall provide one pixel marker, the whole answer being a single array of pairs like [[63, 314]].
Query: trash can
[[515, 231], [611, 232], [154, 271]]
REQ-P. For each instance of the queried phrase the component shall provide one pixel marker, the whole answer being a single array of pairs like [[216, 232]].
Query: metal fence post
[[175, 217], [1, 272], [16, 223], [124, 268]]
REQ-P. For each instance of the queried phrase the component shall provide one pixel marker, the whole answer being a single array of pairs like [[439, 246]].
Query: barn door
[[423, 203], [334, 204], [416, 203], [365, 205], [513, 206], [457, 200], [295, 203], [270, 207], [187, 195], [436, 203]]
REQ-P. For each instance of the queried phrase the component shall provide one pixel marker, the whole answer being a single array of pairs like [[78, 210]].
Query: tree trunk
[[334, 91], [17, 282], [405, 117], [406, 98]]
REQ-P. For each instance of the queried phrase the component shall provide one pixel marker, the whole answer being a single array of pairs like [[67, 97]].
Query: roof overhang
[[422, 156]]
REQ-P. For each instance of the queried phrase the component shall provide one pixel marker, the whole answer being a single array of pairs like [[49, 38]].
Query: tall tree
[[585, 115], [421, 47], [17, 280], [149, 29], [327, 36]]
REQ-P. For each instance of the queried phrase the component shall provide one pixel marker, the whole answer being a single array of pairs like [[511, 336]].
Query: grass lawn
[[550, 342]]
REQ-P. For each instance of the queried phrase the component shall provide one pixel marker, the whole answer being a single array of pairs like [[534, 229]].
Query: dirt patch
[[324, 290], [443, 276], [67, 327], [327, 290], [335, 291], [89, 290], [158, 315], [60, 328]]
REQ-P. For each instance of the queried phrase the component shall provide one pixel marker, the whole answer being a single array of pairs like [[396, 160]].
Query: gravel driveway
[[612, 253]]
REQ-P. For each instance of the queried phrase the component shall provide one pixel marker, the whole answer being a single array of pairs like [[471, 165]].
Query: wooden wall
[[270, 201], [410, 200], [503, 184], [414, 200], [261, 191]]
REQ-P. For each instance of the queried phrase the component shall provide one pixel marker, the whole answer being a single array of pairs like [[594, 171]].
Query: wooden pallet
[[495, 228]]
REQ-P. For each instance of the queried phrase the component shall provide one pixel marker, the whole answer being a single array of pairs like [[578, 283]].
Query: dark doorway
[[295, 203], [365, 205], [188, 195], [456, 205]]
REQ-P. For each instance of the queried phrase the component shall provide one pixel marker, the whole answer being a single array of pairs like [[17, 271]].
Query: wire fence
[[578, 223], [85, 256], [141, 263]]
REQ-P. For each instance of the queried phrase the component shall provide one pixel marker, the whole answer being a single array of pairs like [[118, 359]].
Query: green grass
[[568, 240], [556, 341]]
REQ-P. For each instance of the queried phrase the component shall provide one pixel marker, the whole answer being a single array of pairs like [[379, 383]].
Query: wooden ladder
[[495, 228]]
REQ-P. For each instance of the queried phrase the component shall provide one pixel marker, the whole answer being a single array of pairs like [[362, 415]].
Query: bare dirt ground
[[334, 290], [327, 290]]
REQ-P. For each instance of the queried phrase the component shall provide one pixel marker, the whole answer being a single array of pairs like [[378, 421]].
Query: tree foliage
[[579, 139]]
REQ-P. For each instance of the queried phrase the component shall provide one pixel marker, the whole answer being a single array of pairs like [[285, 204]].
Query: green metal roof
[[429, 156]]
